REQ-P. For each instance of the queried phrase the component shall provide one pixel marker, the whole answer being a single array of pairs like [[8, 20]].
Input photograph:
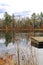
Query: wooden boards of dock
[[37, 42]]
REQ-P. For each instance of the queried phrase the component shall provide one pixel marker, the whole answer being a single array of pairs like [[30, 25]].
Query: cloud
[[4, 4], [23, 13], [2, 10]]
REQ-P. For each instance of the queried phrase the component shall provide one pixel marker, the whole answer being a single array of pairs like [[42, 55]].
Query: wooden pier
[[37, 42]]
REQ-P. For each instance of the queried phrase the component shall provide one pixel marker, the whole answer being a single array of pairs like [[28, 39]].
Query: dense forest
[[35, 21]]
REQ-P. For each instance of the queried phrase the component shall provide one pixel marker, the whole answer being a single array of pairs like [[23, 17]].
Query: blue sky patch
[[2, 10]]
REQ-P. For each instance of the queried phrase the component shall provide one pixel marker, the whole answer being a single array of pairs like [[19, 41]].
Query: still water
[[24, 51]]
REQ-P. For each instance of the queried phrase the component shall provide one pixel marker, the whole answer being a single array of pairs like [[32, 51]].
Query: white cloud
[[22, 5]]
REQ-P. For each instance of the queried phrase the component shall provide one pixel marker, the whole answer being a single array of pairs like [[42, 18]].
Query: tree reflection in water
[[20, 49]]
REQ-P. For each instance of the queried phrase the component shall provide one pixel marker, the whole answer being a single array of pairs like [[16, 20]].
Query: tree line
[[35, 21]]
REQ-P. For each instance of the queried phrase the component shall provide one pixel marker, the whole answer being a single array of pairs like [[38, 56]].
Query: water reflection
[[21, 43], [9, 38]]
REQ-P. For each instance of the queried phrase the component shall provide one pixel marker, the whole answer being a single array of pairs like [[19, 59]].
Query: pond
[[20, 53]]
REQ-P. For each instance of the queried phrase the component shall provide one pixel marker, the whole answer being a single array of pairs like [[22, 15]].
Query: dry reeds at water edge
[[2, 61], [7, 60]]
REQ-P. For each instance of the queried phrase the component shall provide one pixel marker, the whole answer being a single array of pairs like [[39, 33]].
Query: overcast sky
[[16, 6]]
